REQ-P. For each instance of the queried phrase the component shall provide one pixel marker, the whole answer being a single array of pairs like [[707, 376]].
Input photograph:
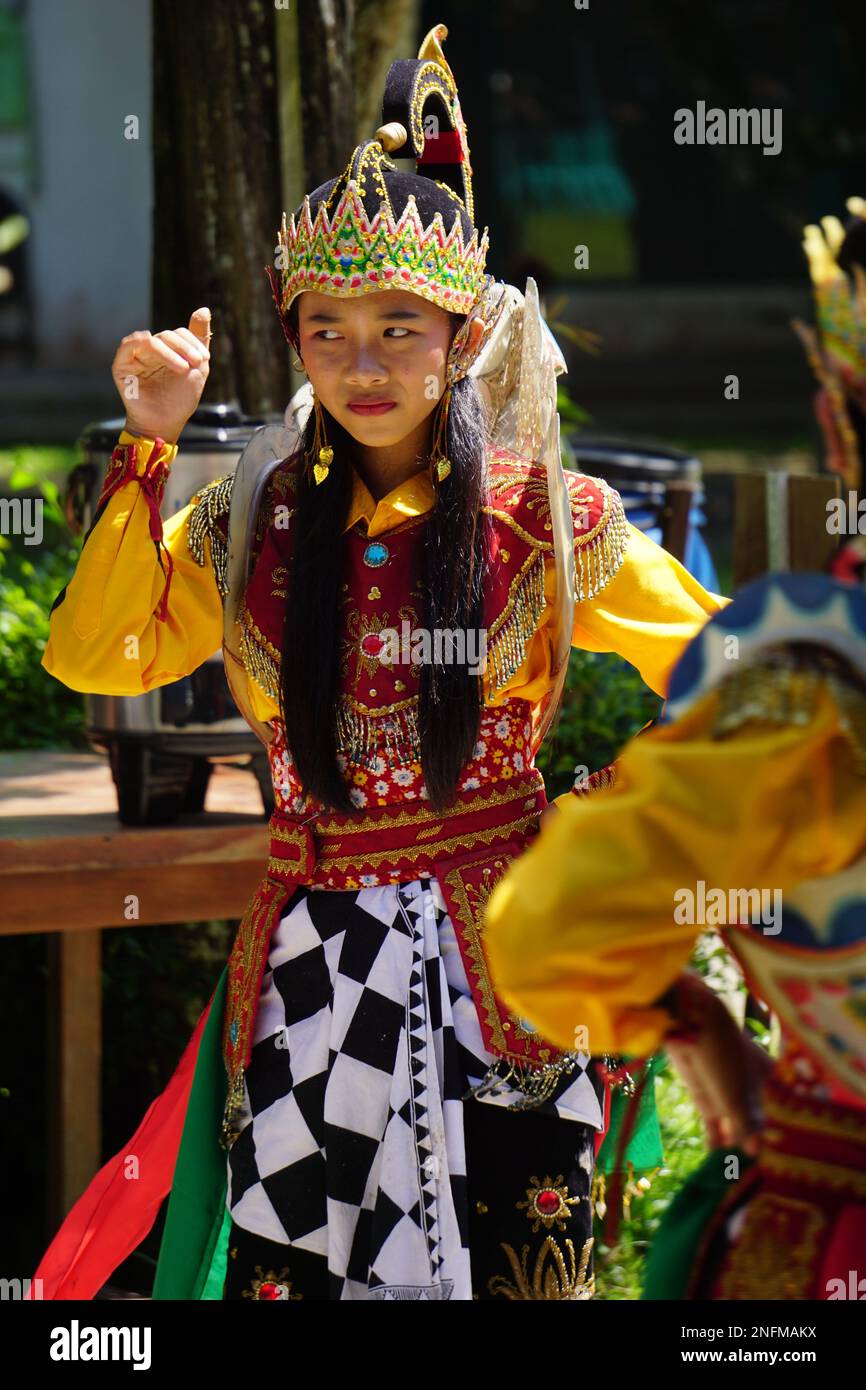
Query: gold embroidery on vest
[[271, 1287]]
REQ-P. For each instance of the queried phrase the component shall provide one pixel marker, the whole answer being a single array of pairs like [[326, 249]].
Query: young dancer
[[390, 1129]]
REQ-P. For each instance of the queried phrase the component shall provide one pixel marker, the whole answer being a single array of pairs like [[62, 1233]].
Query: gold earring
[[321, 451], [437, 451]]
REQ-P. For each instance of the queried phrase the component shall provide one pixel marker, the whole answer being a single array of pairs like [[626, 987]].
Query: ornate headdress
[[837, 352], [347, 240]]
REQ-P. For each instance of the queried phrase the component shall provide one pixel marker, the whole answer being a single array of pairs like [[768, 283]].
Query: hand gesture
[[160, 376]]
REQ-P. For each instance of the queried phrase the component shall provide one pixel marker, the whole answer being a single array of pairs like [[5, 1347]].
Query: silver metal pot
[[160, 744]]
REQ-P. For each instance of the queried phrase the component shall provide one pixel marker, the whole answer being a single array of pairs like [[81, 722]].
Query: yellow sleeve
[[582, 931], [105, 635], [648, 612]]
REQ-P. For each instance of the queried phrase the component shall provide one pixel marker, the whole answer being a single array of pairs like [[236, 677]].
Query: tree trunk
[[255, 103], [345, 49], [217, 200]]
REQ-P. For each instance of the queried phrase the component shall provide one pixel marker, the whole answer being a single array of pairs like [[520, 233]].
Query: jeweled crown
[[349, 253]]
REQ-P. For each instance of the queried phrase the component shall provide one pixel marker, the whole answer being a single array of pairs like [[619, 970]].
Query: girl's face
[[377, 363]]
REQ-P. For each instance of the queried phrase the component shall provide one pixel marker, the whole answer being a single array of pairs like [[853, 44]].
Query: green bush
[[604, 704], [36, 711]]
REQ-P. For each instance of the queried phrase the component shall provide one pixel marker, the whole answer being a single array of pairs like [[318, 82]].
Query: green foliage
[[36, 711], [604, 704]]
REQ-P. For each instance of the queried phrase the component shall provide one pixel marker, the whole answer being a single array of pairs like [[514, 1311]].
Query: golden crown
[[348, 253]]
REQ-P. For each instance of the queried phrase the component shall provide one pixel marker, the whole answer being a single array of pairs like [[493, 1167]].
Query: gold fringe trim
[[392, 733], [260, 657], [508, 637], [211, 503], [599, 555], [536, 1084]]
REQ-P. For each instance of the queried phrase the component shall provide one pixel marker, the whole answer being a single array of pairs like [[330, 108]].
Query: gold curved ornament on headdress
[[345, 251]]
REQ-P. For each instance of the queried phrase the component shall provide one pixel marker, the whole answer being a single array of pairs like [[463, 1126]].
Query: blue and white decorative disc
[[375, 554]]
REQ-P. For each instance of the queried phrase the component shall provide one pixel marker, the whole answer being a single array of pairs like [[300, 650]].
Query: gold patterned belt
[[393, 844]]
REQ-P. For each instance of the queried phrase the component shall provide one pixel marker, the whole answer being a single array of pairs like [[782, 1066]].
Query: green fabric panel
[[194, 1224], [216, 1275], [677, 1241], [644, 1149]]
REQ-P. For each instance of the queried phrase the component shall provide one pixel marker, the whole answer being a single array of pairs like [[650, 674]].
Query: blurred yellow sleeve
[[581, 931], [104, 635], [648, 612]]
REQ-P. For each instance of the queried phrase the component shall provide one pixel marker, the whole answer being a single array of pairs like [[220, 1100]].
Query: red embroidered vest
[[382, 608]]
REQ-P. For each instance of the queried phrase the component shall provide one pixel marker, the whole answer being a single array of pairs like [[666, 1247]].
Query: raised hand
[[160, 376]]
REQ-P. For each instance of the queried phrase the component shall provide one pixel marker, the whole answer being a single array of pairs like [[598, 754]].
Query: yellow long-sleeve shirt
[[582, 933], [647, 612]]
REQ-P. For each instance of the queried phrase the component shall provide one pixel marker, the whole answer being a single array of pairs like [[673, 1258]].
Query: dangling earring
[[321, 452], [438, 457]]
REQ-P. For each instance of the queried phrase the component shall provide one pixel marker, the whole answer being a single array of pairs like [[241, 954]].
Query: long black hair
[[456, 550]]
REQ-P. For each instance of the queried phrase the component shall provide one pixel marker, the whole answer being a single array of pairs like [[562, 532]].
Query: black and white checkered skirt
[[352, 1155]]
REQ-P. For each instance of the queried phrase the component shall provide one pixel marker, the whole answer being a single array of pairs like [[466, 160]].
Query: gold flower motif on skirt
[[548, 1203], [271, 1288]]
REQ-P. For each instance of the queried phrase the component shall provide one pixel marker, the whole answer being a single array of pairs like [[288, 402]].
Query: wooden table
[[69, 868]]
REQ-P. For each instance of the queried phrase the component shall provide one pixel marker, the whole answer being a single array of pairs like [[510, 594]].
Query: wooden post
[[75, 1065], [675, 517], [780, 523]]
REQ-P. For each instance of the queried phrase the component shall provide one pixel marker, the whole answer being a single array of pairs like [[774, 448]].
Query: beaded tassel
[[507, 648], [233, 1108], [262, 666], [537, 1084], [598, 561], [212, 502], [360, 735]]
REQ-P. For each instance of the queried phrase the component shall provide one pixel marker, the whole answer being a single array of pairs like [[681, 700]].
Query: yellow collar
[[411, 498]]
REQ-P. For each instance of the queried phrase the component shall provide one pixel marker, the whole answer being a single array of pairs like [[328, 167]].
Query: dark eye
[[323, 331], [407, 331]]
